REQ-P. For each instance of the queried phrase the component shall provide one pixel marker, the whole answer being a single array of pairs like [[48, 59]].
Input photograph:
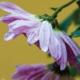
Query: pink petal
[[72, 51], [63, 54], [19, 23], [53, 45], [36, 74], [71, 43], [57, 77], [58, 45], [33, 34], [47, 76], [72, 58], [12, 17], [63, 57], [44, 35], [32, 38], [7, 6]]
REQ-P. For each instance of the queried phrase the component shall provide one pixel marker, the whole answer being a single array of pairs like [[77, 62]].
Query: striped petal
[[33, 35]]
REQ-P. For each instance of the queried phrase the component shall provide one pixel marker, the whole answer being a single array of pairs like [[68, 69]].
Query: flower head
[[40, 33], [40, 72]]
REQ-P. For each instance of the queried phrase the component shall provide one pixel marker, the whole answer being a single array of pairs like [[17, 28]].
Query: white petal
[[44, 36]]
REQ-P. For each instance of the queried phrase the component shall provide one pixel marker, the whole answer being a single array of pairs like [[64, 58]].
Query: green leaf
[[76, 33], [75, 17], [65, 24], [74, 72]]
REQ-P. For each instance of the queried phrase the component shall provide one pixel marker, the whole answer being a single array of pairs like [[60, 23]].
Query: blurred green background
[[18, 51]]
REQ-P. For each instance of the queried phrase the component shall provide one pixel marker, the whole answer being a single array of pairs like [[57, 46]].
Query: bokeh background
[[18, 51]]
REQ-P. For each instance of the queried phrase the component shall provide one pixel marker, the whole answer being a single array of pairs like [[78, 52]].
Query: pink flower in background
[[34, 72], [39, 72]]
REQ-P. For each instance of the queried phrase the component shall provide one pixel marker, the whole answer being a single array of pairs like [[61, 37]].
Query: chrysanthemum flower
[[41, 72], [40, 32]]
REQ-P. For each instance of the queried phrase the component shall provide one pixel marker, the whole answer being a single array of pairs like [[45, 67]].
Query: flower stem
[[60, 8]]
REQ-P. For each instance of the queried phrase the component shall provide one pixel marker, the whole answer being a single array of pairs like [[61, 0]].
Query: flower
[[21, 22], [40, 33], [40, 72]]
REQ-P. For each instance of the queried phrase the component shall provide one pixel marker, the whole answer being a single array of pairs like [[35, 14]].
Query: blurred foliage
[[76, 33], [74, 72], [74, 17]]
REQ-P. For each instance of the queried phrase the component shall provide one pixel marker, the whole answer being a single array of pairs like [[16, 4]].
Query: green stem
[[56, 24], [60, 8]]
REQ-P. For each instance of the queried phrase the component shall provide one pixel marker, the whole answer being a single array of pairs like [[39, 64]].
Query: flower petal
[[44, 36], [72, 44], [47, 76], [19, 23], [63, 57], [33, 36], [9, 36], [12, 17], [54, 45], [7, 6]]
